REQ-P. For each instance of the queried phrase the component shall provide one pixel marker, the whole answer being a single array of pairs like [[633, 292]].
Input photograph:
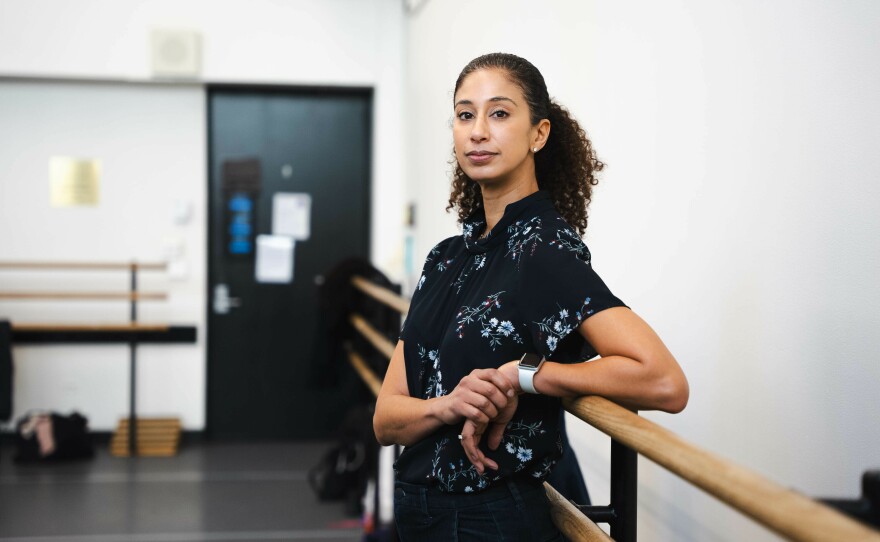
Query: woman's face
[[492, 131]]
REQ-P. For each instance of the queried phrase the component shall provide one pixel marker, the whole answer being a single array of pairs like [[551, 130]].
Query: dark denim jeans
[[513, 510]]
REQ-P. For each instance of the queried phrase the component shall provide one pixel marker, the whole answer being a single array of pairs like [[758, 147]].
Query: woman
[[468, 391]]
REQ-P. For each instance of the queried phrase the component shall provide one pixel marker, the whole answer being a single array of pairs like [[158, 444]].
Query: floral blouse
[[483, 302]]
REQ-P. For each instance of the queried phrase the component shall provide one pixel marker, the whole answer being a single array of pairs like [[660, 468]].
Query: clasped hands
[[486, 400]]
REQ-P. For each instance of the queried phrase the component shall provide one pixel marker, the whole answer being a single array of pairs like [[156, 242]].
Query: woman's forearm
[[404, 420], [620, 379], [636, 369]]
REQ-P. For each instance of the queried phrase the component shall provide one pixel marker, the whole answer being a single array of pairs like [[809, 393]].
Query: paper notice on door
[[292, 215], [274, 259]]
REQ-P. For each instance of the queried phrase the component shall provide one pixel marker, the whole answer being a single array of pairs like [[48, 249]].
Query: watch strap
[[526, 374]]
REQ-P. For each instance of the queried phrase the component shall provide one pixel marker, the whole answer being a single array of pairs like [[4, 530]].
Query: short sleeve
[[558, 290], [430, 264]]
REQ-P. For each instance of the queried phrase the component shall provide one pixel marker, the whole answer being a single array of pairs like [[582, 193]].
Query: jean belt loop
[[423, 499], [517, 496]]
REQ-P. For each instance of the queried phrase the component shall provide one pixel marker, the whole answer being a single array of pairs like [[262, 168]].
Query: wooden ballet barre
[[87, 296], [366, 374], [381, 344], [787, 512], [790, 514], [571, 521], [86, 266], [381, 294]]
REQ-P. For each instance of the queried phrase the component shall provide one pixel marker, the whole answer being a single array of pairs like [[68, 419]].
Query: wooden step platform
[[156, 437]]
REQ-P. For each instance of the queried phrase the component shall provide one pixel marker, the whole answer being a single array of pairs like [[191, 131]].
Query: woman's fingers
[[487, 400], [473, 414], [495, 434], [501, 382], [481, 389], [483, 404], [491, 384], [470, 440]]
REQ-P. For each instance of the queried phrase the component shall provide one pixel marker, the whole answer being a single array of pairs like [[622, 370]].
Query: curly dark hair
[[567, 165]]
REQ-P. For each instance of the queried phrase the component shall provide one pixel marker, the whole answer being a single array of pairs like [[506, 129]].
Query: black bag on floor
[[52, 437], [338, 471], [343, 470]]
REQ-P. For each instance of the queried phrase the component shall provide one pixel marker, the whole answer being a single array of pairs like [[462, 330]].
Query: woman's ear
[[540, 133]]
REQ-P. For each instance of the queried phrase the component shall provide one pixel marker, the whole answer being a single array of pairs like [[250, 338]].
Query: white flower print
[[524, 236], [438, 385], [518, 434], [469, 228], [552, 330], [431, 255], [478, 263], [490, 328], [567, 239], [544, 468], [421, 282], [494, 334], [434, 386], [479, 312], [523, 454], [456, 472], [443, 264]]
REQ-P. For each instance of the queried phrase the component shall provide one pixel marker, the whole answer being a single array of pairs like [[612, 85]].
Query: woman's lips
[[481, 157]]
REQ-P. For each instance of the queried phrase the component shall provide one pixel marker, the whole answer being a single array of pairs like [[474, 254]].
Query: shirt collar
[[475, 224]]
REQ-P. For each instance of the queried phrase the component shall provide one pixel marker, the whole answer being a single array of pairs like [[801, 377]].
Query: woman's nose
[[479, 129]]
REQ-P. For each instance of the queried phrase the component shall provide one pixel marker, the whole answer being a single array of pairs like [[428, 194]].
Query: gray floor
[[228, 492]]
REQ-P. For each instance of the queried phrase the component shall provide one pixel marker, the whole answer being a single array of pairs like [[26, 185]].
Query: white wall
[[738, 214], [151, 143], [43, 43]]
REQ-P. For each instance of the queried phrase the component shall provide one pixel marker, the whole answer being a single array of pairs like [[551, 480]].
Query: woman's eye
[[500, 114], [465, 115]]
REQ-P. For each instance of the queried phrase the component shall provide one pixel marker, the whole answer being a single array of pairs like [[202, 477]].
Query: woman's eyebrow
[[493, 99]]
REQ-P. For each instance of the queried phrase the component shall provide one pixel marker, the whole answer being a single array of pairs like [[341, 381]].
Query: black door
[[261, 334]]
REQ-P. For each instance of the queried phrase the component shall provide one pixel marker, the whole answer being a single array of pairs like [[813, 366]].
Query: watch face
[[530, 360]]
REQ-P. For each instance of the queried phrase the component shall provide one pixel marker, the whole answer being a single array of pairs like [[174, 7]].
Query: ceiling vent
[[176, 54]]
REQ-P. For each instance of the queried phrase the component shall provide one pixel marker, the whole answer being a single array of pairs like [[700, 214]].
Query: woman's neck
[[497, 198]]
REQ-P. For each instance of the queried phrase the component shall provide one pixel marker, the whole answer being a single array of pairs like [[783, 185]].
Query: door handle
[[222, 302]]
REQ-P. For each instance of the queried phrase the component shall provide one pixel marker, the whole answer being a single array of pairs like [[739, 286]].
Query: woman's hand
[[473, 432], [478, 397]]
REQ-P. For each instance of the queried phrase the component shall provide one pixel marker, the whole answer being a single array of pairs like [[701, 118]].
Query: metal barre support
[[132, 377], [624, 492]]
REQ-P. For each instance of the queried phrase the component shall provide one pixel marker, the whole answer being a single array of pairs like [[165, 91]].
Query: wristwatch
[[528, 366]]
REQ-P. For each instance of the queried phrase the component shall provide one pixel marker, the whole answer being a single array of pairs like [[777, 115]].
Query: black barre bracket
[[867, 507]]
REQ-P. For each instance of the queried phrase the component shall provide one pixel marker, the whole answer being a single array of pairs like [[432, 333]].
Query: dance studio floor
[[210, 492]]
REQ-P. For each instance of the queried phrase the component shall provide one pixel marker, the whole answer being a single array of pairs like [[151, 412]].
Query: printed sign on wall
[[74, 182], [291, 215]]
